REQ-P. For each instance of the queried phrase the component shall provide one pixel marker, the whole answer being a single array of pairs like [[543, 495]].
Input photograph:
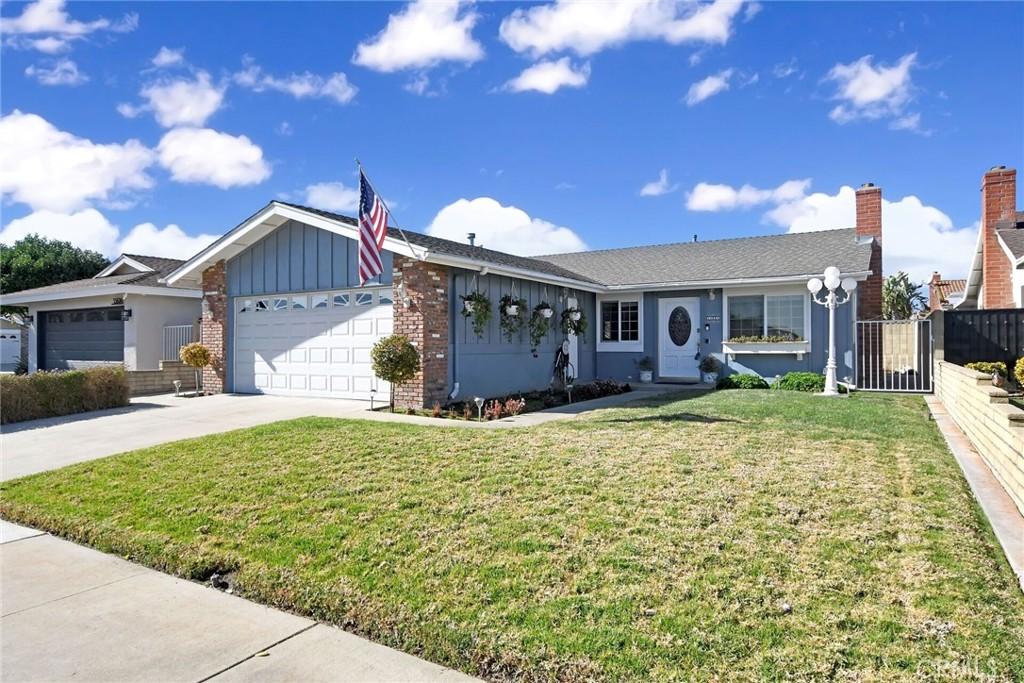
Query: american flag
[[373, 228]]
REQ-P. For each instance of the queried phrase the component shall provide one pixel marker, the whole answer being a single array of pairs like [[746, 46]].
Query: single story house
[[944, 294], [284, 313], [996, 276], [126, 315]]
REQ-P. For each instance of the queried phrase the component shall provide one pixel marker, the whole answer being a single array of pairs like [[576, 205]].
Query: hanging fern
[[539, 325], [511, 323], [477, 307], [576, 327]]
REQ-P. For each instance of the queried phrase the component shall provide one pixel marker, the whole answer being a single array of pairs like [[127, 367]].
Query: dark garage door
[[82, 337]]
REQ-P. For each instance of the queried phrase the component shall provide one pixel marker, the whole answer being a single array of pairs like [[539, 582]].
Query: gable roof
[[439, 245], [944, 289], [789, 255], [785, 257], [101, 284], [1011, 234]]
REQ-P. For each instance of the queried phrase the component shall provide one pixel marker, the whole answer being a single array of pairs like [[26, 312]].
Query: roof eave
[[729, 282], [29, 297]]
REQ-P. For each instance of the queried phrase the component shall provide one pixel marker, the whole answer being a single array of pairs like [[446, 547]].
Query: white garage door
[[310, 344]]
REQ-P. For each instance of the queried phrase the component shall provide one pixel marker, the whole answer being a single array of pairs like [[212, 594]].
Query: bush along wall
[[813, 382], [50, 394], [745, 381]]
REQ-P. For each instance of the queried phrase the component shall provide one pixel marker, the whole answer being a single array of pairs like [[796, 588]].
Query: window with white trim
[[619, 322], [768, 316]]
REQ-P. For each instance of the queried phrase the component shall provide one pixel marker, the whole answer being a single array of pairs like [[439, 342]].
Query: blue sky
[[154, 126]]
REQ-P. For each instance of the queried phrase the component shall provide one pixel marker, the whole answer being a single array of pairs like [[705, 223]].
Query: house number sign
[[712, 318]]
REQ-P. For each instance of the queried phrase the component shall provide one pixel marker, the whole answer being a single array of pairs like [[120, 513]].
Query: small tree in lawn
[[197, 357], [395, 360]]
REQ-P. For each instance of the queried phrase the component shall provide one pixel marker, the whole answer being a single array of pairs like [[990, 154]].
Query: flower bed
[[496, 408]]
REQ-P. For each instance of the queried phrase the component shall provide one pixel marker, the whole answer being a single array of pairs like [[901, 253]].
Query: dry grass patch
[[735, 535]]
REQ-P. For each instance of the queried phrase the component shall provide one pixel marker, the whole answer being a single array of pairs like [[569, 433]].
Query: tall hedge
[[54, 393]]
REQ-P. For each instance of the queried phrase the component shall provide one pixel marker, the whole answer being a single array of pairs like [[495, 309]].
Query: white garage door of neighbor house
[[314, 344]]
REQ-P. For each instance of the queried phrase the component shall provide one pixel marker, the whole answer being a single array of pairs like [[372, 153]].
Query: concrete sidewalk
[[72, 613], [1002, 514]]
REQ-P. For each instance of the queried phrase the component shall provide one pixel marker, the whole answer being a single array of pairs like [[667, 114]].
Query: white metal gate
[[894, 355]]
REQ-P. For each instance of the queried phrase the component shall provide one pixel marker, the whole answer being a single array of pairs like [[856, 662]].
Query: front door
[[679, 338]]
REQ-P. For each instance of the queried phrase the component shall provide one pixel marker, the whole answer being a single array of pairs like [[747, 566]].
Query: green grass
[[658, 542]]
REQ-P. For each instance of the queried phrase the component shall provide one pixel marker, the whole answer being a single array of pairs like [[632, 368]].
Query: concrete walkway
[[71, 613], [1003, 515], [41, 445]]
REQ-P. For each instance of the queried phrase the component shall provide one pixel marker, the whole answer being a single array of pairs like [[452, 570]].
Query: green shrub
[[1018, 372], [395, 360], [744, 381], [989, 368], [49, 394], [801, 381]]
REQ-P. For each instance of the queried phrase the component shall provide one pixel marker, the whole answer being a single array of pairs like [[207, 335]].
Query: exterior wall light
[[126, 314], [831, 283]]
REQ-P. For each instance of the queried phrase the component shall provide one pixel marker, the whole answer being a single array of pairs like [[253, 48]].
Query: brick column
[[425, 323], [998, 203], [869, 224], [212, 326]]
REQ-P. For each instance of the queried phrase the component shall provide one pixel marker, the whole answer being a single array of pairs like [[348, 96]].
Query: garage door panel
[[85, 335], [321, 348]]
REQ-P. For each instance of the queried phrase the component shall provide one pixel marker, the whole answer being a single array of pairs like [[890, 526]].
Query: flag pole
[[362, 172]]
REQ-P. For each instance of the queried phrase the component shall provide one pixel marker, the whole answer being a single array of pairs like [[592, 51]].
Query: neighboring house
[[12, 341], [124, 315], [944, 294], [996, 277], [284, 312]]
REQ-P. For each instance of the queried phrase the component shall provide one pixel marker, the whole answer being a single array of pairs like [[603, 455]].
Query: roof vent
[[1000, 167], [472, 238], [867, 185]]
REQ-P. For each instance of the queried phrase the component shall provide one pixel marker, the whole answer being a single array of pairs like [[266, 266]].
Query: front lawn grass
[[732, 535]]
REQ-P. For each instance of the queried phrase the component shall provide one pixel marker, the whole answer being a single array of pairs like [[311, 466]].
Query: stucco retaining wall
[[994, 426]]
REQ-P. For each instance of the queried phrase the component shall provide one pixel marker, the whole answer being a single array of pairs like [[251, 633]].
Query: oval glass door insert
[[679, 326]]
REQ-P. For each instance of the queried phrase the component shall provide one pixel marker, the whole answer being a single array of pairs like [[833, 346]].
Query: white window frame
[[621, 346], [797, 347]]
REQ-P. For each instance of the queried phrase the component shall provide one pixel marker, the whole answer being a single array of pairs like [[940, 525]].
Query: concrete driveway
[[40, 445], [75, 614]]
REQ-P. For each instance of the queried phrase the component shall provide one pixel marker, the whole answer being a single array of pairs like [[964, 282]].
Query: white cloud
[[335, 87], [169, 241], [547, 77], [284, 128], [710, 86], [47, 27], [202, 155], [785, 69], [47, 168], [587, 27], [63, 72], [911, 122], [866, 91], [168, 57], [505, 228], [907, 224], [658, 187], [179, 102], [87, 228], [751, 10], [334, 196], [425, 33], [715, 197], [90, 229]]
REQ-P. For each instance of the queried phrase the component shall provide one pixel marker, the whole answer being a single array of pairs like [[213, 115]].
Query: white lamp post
[[831, 302]]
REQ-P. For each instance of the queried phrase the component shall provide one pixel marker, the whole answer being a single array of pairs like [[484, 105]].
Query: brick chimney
[[869, 224], [998, 202], [934, 294]]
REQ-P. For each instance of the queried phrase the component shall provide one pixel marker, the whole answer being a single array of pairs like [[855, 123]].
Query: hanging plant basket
[[540, 325], [574, 322], [512, 318], [477, 307]]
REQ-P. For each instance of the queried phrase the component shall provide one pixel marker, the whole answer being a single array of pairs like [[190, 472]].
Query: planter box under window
[[798, 348]]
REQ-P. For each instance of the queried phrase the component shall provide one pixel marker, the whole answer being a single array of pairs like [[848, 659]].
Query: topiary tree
[[395, 360], [196, 356]]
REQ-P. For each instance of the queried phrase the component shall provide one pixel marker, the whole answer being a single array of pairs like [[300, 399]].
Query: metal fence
[[176, 336], [894, 355], [992, 335]]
